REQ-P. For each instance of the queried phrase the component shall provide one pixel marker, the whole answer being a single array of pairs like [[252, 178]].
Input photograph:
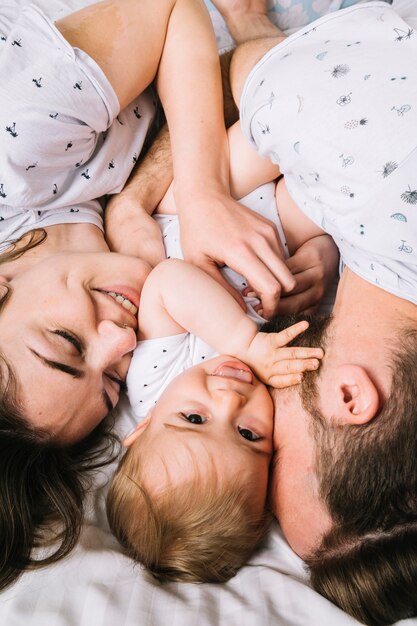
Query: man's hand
[[129, 226], [216, 230], [129, 229], [277, 365], [314, 267]]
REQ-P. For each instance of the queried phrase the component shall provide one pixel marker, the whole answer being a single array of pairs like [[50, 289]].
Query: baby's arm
[[178, 297], [248, 170]]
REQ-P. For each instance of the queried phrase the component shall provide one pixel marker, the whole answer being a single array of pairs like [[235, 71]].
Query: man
[[344, 485]]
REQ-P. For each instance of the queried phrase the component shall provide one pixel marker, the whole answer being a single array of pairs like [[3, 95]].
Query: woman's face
[[67, 330]]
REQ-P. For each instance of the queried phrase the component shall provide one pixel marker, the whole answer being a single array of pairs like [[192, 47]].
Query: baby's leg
[[167, 205], [248, 170], [246, 57], [251, 28]]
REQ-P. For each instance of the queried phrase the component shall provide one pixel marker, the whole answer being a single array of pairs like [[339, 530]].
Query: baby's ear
[[131, 438]]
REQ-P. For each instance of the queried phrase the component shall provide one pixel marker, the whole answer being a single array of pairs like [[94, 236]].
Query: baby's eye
[[248, 434], [194, 418]]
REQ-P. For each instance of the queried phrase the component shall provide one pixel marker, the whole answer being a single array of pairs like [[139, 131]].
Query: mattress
[[96, 585]]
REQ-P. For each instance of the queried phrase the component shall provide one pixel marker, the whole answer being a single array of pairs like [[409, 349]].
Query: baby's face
[[216, 412]]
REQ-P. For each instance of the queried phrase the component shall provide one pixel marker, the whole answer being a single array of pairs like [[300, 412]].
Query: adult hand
[[216, 230], [129, 229], [314, 267]]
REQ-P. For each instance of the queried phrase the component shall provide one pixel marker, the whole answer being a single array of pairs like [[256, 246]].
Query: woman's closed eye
[[248, 434], [70, 338], [80, 350], [119, 381]]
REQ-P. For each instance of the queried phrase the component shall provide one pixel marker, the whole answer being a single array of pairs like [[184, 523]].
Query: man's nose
[[112, 343]]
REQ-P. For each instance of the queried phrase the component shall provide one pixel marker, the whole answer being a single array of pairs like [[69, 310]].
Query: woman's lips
[[127, 292], [235, 370]]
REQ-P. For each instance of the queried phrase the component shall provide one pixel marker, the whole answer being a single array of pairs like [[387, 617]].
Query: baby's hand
[[277, 365]]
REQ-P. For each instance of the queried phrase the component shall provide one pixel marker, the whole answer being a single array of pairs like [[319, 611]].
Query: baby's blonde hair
[[202, 530]]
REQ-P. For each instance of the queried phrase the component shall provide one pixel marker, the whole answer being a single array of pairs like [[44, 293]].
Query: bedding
[[98, 586], [289, 15]]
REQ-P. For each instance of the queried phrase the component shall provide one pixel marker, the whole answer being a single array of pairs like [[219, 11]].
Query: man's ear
[[132, 437], [357, 396]]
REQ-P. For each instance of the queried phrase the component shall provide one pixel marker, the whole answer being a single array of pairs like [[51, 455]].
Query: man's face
[[294, 490]]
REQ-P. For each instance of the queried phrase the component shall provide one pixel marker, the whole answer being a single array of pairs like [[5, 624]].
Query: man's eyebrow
[[71, 371]]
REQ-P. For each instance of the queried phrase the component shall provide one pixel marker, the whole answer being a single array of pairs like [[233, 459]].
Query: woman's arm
[[215, 229]]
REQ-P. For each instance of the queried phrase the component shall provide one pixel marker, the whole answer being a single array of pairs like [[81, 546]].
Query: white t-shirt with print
[[335, 105], [63, 140]]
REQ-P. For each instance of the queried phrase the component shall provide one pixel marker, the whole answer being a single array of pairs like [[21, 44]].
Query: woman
[[67, 320]]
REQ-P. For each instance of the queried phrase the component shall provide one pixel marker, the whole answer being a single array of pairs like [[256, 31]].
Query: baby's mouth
[[234, 370]]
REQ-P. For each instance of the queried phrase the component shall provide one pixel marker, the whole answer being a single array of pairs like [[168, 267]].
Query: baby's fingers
[[288, 373], [281, 381], [297, 353], [290, 333], [295, 366]]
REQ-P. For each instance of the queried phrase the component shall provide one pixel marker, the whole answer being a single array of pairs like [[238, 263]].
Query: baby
[[188, 498]]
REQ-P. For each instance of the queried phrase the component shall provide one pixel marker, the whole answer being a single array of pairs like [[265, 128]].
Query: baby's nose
[[230, 402]]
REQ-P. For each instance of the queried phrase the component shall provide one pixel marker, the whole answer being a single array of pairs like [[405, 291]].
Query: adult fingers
[[301, 302], [262, 280], [212, 269], [271, 254], [305, 280]]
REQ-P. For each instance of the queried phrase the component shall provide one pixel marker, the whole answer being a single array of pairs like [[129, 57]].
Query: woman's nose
[[112, 343]]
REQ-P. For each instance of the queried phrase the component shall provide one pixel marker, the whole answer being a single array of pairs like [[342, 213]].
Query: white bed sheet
[[98, 586]]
